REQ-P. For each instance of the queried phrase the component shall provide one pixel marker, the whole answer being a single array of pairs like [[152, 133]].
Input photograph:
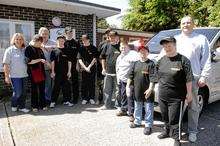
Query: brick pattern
[[43, 18]]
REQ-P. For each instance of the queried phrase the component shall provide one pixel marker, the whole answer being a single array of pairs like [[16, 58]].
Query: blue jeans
[[48, 86], [19, 86], [149, 112]]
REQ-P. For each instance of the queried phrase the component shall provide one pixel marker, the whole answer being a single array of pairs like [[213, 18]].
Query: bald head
[[187, 25]]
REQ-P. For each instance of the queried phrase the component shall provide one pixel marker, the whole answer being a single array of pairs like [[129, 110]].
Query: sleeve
[[205, 59], [131, 75], [152, 73], [104, 50], [6, 57], [53, 56], [187, 69], [28, 54]]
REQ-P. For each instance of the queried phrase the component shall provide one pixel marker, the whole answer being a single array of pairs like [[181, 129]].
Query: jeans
[[123, 97], [19, 86], [48, 85], [193, 109], [170, 112], [149, 112], [108, 89]]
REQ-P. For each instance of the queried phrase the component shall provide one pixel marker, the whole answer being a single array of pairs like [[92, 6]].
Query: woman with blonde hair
[[36, 62], [15, 70]]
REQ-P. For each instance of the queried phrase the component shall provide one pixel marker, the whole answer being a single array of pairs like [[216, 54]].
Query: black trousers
[[88, 85], [75, 84], [170, 112], [124, 100], [131, 102], [38, 95], [61, 82]]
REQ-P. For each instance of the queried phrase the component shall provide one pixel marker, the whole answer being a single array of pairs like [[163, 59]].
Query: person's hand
[[52, 75], [189, 98], [128, 91], [148, 93], [43, 61], [7, 80], [201, 82], [103, 72], [87, 69], [69, 75]]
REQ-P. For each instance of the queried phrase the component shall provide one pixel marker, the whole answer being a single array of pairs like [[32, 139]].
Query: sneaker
[[52, 104], [69, 104], [103, 107], [192, 137], [163, 135], [35, 110], [92, 101], [24, 110], [133, 125], [147, 131], [44, 108], [121, 113], [14, 109], [84, 102]]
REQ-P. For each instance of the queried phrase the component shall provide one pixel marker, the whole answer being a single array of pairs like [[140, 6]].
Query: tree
[[102, 23], [214, 17], [156, 15]]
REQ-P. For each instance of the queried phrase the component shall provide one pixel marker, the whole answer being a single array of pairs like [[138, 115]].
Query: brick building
[[27, 16]]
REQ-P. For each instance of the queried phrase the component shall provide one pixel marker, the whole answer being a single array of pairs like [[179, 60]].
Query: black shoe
[[147, 131], [163, 135], [121, 113], [177, 143], [133, 125]]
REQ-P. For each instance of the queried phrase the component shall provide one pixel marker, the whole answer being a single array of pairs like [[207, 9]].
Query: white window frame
[[12, 24]]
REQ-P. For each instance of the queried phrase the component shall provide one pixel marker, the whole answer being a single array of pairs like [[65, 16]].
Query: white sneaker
[[84, 102], [52, 104], [14, 109], [192, 137], [24, 110], [92, 101], [68, 103]]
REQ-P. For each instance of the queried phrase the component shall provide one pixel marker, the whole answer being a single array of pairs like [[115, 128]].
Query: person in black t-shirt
[[61, 73], [109, 55], [36, 60], [175, 84], [71, 49], [143, 76], [87, 59]]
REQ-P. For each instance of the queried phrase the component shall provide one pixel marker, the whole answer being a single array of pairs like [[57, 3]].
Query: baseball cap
[[167, 39], [61, 37]]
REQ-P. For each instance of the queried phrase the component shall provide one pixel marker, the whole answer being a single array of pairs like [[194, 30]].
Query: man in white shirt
[[196, 48]]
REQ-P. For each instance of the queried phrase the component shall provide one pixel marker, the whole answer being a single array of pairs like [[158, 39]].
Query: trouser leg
[[66, 90], [34, 95], [149, 114], [124, 101], [108, 90], [48, 86], [22, 99], [138, 107], [84, 87], [131, 102], [75, 85], [164, 113], [91, 84], [42, 100], [17, 91], [56, 89]]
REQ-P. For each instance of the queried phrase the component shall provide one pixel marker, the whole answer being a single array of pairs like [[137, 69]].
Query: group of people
[[128, 75]]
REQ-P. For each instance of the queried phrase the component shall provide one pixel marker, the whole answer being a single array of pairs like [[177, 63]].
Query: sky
[[121, 4]]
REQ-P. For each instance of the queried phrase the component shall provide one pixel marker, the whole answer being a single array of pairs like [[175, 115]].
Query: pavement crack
[[9, 125]]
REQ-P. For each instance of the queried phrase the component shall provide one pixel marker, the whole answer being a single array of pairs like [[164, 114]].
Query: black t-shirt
[[110, 53], [87, 54], [173, 74], [32, 53], [71, 49], [61, 61], [142, 74]]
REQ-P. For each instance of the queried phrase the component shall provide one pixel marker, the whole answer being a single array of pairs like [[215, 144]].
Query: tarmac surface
[[87, 125]]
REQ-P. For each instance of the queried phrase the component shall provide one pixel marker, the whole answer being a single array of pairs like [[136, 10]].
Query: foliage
[[102, 23]]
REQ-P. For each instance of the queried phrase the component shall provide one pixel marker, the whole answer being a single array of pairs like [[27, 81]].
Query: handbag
[[37, 74]]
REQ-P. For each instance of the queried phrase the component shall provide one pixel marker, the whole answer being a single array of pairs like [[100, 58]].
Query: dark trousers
[[131, 102], [61, 82], [75, 84], [123, 97], [88, 85], [170, 112], [100, 83], [38, 95], [19, 87]]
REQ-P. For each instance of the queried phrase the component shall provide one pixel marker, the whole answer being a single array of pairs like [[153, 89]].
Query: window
[[8, 28]]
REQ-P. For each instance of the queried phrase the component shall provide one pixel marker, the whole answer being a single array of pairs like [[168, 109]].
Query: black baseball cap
[[167, 39], [61, 37]]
